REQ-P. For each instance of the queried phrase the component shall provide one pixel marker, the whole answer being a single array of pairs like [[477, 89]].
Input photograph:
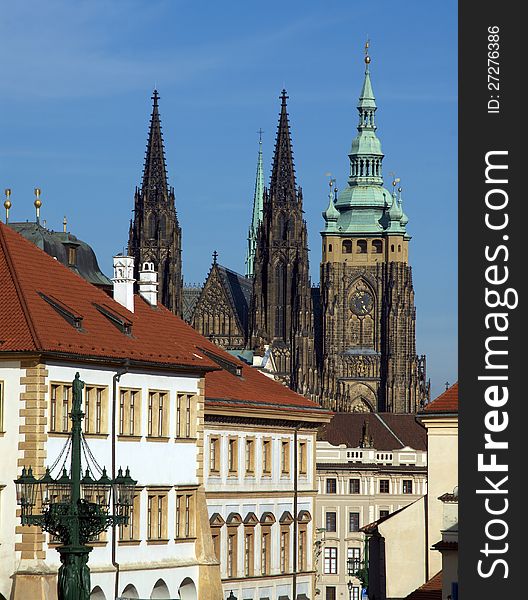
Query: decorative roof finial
[[64, 223], [37, 204], [367, 57], [215, 256], [155, 97], [7, 203], [284, 97], [260, 132]]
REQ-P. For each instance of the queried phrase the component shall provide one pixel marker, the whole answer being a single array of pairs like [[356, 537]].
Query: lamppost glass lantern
[[88, 487], [124, 487], [26, 490], [62, 488], [103, 490], [47, 488]]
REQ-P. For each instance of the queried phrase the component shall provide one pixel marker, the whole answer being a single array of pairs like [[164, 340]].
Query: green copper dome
[[364, 205]]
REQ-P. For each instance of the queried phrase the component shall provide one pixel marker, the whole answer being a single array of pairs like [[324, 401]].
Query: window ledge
[[129, 542], [96, 436], [159, 542], [128, 438], [155, 438], [180, 540]]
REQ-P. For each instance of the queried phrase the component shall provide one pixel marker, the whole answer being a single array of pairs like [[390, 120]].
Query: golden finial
[[64, 223], [7, 203], [37, 203], [367, 46]]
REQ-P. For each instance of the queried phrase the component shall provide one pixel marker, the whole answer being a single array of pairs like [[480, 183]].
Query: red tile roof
[[389, 431], [445, 403], [431, 590], [29, 323]]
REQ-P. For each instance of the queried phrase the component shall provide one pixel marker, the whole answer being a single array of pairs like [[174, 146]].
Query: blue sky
[[75, 91]]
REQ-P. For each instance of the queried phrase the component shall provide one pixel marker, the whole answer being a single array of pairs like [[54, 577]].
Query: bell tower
[[369, 360], [155, 234]]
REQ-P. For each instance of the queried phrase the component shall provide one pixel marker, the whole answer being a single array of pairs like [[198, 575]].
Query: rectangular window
[[284, 550], [95, 409], [383, 513], [301, 558], [129, 412], [264, 556], [285, 458], [130, 532], [60, 407], [331, 521], [303, 458], [353, 486], [248, 554], [231, 554], [158, 418], [330, 593], [330, 561], [353, 560], [250, 456], [184, 415], [216, 544], [214, 455], [353, 521], [331, 486], [157, 516], [266, 457], [185, 515], [355, 593], [232, 455], [383, 486], [407, 486]]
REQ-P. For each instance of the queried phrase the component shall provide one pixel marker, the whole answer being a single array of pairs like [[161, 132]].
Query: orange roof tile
[[446, 402], [430, 590], [29, 322]]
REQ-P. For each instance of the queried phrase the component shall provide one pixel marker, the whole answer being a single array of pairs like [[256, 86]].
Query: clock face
[[361, 302]]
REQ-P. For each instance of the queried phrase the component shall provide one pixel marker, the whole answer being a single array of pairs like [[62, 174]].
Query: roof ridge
[[21, 297], [389, 429]]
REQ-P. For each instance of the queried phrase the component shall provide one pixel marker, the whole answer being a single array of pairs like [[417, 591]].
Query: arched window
[[280, 326], [376, 246], [399, 248], [362, 246], [329, 247], [347, 247], [392, 247]]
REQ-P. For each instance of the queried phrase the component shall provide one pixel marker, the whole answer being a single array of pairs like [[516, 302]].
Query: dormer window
[[376, 246], [362, 246], [72, 256], [347, 247]]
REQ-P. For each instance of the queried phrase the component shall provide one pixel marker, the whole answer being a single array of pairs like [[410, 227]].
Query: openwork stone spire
[[282, 184], [155, 170]]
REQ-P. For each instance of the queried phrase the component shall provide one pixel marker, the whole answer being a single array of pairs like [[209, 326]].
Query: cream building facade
[[368, 466], [143, 401], [406, 548]]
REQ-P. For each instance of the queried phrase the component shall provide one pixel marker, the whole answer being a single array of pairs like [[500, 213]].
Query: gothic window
[[347, 247], [151, 226], [163, 226], [329, 247], [392, 247], [362, 246], [280, 279], [376, 246]]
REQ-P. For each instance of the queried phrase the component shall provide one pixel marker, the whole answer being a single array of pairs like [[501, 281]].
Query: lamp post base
[[73, 582]]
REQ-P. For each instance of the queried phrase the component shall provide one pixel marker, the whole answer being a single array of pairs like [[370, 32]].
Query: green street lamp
[[74, 510]]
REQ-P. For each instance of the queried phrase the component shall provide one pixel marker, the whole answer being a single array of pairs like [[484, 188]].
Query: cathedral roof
[[155, 169], [282, 185], [56, 244], [389, 431]]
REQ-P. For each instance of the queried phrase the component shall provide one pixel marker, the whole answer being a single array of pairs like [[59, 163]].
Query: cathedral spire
[[282, 185], [155, 170], [258, 211]]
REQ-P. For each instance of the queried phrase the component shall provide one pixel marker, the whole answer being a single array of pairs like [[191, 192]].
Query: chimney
[[148, 284], [124, 281]]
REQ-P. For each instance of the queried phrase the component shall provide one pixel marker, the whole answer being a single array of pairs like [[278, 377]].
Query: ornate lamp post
[[74, 510]]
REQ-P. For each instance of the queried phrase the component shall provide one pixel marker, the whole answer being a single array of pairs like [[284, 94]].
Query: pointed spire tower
[[155, 234], [369, 360], [281, 312], [258, 212]]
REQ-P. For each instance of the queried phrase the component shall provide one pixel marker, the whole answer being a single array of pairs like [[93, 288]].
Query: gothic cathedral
[[348, 343]]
